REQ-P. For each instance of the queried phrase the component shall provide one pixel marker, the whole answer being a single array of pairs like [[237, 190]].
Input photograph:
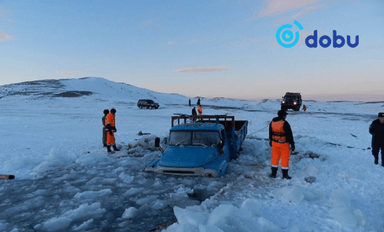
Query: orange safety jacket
[[280, 131], [110, 119], [110, 125], [200, 110]]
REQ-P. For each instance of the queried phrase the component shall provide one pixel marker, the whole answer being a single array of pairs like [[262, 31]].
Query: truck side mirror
[[157, 142], [220, 146]]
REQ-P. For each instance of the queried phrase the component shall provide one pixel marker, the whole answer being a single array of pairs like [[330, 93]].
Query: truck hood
[[188, 156]]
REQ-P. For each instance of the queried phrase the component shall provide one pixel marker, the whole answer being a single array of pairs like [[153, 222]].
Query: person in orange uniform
[[281, 141], [111, 129], [200, 110]]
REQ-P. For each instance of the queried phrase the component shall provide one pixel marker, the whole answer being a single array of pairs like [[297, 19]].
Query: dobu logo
[[325, 41], [286, 37]]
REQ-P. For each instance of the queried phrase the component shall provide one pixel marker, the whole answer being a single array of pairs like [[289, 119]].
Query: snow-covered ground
[[66, 181]]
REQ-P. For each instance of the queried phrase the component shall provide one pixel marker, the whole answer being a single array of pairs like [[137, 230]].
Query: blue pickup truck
[[201, 145]]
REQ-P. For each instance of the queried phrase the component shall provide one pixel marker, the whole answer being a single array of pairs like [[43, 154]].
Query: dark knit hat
[[282, 113], [381, 115]]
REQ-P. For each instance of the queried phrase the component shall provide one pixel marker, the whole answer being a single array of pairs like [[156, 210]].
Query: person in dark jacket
[[376, 129], [106, 112], [281, 141], [194, 113]]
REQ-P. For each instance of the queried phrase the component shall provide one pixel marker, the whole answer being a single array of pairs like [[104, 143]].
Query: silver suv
[[147, 103]]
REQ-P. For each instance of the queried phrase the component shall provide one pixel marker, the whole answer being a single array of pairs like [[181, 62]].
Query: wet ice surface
[[115, 195]]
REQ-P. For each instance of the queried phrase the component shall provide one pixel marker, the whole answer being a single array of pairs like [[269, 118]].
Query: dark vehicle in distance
[[291, 101], [147, 103]]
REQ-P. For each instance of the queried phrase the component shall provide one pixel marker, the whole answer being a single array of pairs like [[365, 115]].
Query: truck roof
[[198, 126], [291, 94]]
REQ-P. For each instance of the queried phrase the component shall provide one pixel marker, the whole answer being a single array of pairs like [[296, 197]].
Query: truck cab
[[200, 148]]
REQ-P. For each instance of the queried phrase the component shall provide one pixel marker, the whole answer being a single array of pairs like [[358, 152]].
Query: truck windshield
[[291, 98], [195, 138]]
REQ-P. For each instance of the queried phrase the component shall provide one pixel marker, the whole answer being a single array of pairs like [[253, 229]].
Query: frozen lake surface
[[66, 181]]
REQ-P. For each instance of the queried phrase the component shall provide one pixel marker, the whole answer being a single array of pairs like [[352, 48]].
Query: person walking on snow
[[280, 137], [376, 129], [106, 112], [111, 129]]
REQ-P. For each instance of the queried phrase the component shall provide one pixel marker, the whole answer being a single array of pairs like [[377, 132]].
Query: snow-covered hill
[[66, 181], [99, 87]]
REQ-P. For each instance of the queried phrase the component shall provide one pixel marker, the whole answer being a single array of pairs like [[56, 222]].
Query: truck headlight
[[295, 103], [283, 102]]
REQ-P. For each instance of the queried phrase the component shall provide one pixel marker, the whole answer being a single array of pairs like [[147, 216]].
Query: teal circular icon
[[285, 37]]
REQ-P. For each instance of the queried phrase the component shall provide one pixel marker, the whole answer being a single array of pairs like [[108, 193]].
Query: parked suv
[[291, 101], [147, 103]]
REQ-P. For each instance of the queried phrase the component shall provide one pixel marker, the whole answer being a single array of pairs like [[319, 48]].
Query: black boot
[[115, 148], [109, 149], [274, 172], [382, 159], [285, 174], [376, 159]]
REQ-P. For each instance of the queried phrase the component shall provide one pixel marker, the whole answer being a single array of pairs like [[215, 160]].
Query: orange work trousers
[[280, 151], [110, 139]]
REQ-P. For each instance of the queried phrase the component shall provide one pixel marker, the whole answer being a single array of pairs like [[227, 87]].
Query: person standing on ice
[[106, 112], [280, 137], [376, 129], [111, 129], [200, 110], [194, 113]]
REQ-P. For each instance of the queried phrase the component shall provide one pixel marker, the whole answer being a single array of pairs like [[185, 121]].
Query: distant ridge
[[83, 87]]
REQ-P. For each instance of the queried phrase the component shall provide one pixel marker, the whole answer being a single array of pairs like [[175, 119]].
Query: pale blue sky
[[218, 48]]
